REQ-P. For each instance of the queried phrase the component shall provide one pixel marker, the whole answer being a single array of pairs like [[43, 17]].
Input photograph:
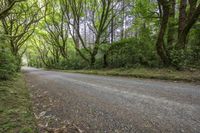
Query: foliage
[[82, 34], [178, 58], [189, 57], [194, 47], [74, 62], [132, 52], [7, 62]]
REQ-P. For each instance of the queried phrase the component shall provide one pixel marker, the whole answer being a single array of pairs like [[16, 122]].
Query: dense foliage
[[128, 34], [18, 21], [7, 62]]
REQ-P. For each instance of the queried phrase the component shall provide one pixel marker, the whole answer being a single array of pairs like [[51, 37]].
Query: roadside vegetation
[[97, 34], [15, 107], [129, 34], [164, 73]]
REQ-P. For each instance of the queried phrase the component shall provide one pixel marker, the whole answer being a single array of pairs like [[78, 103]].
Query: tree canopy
[[77, 34]]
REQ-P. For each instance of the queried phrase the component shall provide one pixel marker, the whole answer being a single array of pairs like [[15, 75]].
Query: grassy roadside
[[164, 74], [15, 107]]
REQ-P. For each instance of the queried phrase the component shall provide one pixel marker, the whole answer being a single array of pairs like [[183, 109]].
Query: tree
[[6, 6], [56, 27], [83, 33], [19, 25], [186, 20], [101, 15]]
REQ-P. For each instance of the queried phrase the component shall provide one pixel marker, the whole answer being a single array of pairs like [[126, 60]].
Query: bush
[[132, 52], [189, 57], [178, 58], [74, 62], [194, 48], [7, 64]]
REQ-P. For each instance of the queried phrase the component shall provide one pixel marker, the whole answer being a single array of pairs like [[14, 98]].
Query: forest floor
[[15, 107], [192, 75], [94, 103]]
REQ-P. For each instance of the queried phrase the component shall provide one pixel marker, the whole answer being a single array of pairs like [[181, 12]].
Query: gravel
[[114, 104]]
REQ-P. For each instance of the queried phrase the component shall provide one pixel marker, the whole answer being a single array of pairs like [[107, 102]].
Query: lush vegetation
[[82, 34], [18, 21], [15, 107], [108, 33], [7, 62]]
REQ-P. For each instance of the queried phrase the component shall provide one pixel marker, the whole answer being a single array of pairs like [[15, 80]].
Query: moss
[[15, 107]]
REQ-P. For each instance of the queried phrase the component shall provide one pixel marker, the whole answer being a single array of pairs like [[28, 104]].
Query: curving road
[[117, 104]]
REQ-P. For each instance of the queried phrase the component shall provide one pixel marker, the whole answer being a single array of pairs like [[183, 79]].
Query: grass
[[164, 74], [15, 107]]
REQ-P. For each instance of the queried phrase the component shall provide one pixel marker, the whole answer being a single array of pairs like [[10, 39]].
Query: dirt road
[[114, 104]]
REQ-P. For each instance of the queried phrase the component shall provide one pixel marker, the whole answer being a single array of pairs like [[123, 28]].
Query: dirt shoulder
[[163, 74], [15, 107]]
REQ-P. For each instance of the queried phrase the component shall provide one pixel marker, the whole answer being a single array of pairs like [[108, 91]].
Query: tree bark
[[182, 22], [171, 25], [105, 62], [160, 44], [183, 34]]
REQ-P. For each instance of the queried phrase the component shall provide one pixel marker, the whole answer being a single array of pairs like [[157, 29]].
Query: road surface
[[117, 104]]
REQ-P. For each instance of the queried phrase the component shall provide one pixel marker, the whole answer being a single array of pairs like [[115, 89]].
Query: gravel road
[[107, 104]]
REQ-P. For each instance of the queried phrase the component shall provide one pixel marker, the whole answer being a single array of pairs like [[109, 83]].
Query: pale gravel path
[[118, 104]]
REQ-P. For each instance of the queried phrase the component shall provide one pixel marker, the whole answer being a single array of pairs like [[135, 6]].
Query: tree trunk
[[182, 23], [93, 55], [105, 62], [171, 29], [182, 39], [123, 20], [112, 28], [160, 44], [171, 25]]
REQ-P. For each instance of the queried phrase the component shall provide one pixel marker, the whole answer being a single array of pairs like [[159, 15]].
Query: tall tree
[[186, 20], [101, 17], [19, 26], [56, 27]]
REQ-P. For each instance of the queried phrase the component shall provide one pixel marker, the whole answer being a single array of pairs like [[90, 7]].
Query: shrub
[[7, 64], [178, 58], [132, 52]]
